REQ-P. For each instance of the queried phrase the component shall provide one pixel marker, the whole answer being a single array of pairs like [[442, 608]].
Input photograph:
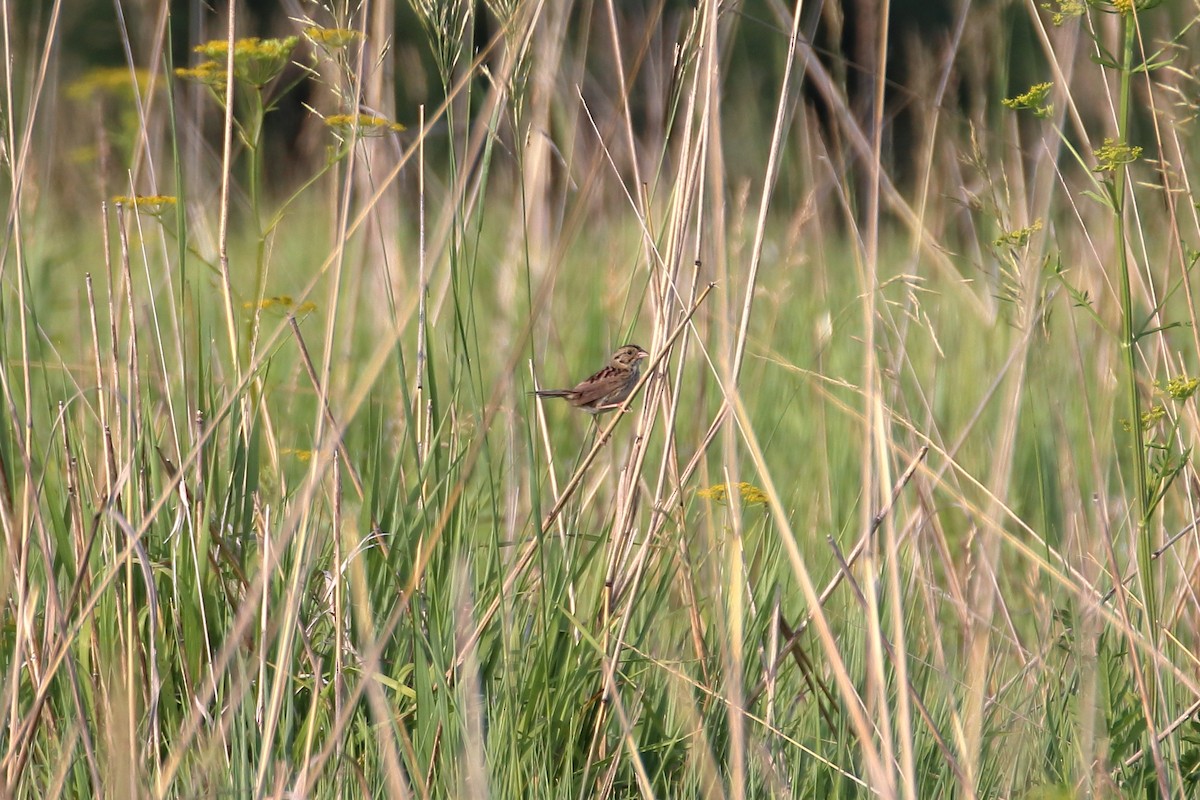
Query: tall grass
[[902, 507]]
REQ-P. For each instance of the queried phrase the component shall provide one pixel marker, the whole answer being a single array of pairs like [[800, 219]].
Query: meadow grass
[[903, 507]]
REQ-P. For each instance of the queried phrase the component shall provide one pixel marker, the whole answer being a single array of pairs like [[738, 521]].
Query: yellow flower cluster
[[750, 494], [367, 124], [1182, 387], [1151, 418], [255, 61], [1019, 237], [1034, 99], [333, 38], [280, 302], [108, 82], [152, 204], [210, 73], [1113, 154], [1064, 10]]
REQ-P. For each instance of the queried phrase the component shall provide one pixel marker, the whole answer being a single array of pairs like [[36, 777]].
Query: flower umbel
[[108, 82], [333, 38], [1151, 418], [1034, 99], [1113, 154], [1182, 387], [1064, 10], [282, 302], [255, 61], [367, 124], [210, 73], [153, 204], [750, 494], [1019, 237]]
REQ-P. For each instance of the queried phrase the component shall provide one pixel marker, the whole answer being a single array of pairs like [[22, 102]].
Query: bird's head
[[628, 356]]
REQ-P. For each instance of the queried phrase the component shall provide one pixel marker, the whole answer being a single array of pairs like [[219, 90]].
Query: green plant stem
[[1129, 335], [253, 130], [1144, 508]]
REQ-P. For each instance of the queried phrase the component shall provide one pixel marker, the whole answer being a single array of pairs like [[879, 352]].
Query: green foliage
[[904, 508]]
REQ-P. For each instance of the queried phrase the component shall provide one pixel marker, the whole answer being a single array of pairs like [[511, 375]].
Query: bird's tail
[[553, 392]]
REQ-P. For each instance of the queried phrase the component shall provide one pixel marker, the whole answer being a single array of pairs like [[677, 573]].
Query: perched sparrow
[[609, 387]]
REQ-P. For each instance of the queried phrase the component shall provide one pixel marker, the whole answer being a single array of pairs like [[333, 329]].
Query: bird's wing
[[597, 387]]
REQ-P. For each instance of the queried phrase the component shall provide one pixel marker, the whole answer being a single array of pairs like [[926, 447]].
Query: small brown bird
[[609, 387]]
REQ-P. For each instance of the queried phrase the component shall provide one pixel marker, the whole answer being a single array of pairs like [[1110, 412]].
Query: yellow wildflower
[[367, 124], [1064, 10], [281, 302], [750, 494], [1151, 418], [153, 204], [255, 61], [1033, 99], [1113, 154], [333, 38], [210, 73], [109, 82], [1019, 237], [1182, 388]]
